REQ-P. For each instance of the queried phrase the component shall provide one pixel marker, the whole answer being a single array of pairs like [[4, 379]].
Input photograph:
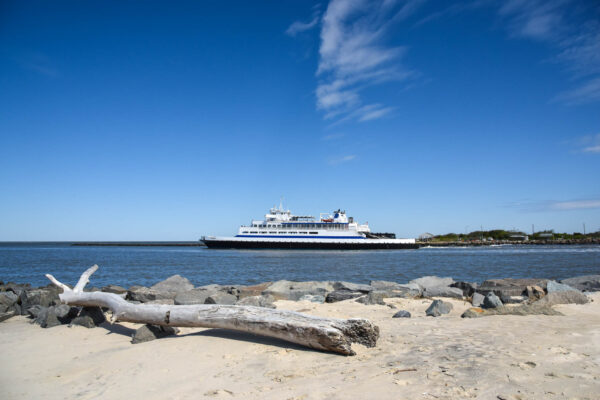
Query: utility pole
[[532, 229], [584, 228]]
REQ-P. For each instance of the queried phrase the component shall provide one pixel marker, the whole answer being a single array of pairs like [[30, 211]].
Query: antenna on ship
[[281, 203]]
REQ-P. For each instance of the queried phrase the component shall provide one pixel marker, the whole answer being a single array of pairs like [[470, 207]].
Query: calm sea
[[126, 266]]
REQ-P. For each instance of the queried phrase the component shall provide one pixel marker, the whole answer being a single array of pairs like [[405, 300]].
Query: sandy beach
[[495, 357]]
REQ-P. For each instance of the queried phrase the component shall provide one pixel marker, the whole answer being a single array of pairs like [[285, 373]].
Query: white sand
[[508, 357]]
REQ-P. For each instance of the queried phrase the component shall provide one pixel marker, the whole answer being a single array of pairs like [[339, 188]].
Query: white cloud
[[590, 144], [353, 55], [575, 205], [299, 27], [587, 92], [342, 159]]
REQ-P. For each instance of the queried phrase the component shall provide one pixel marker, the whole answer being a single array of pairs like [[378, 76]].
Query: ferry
[[280, 229]]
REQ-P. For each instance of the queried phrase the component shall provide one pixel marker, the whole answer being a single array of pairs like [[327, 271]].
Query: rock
[[437, 308], [468, 288], [383, 285], [477, 300], [8, 299], [521, 310], [401, 314], [150, 332], [341, 295], [66, 313], [114, 289], [253, 291], [6, 315], [144, 294], [221, 298], [313, 298], [90, 317], [352, 287], [568, 297], [432, 281], [535, 292], [492, 301], [34, 311], [377, 296], [257, 301], [194, 296], [44, 297], [289, 290], [509, 287], [46, 317], [443, 291], [589, 283], [173, 284], [554, 286]]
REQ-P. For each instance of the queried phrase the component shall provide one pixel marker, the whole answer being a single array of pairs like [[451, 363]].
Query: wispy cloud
[[333, 136], [342, 159], [551, 205], [38, 63], [298, 26], [353, 55], [572, 29], [589, 144]]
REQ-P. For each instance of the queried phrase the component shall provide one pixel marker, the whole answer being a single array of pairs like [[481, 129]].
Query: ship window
[[282, 233], [253, 232], [314, 233], [245, 232], [272, 232], [293, 233], [303, 233]]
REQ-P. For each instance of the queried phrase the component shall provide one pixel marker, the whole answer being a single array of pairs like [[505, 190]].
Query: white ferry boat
[[282, 230]]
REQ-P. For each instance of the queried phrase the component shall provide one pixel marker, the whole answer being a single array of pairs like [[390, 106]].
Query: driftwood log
[[329, 334]]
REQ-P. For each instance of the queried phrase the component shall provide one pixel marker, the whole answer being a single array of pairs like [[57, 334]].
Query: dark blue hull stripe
[[301, 237]]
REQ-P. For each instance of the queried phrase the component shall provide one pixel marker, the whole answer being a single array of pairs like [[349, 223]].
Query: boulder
[[443, 291], [34, 311], [521, 310], [477, 300], [492, 301], [437, 308], [377, 296], [150, 332], [289, 290], [173, 284], [8, 302], [221, 298], [352, 287], [257, 301], [432, 281], [341, 295], [535, 292], [90, 317], [509, 287], [401, 314], [46, 317], [6, 315], [114, 289], [44, 297], [589, 283], [144, 294], [313, 298], [568, 297], [194, 296], [252, 291], [554, 286], [468, 288]]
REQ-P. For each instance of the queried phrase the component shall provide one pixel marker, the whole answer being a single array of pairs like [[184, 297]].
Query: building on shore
[[425, 237]]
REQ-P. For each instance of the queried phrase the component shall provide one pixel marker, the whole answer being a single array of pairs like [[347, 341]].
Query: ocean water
[[126, 266]]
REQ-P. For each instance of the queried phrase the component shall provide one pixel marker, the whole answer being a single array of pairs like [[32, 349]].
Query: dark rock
[[554, 286], [568, 297], [352, 287], [6, 315], [46, 317], [89, 317], [427, 282], [586, 283], [313, 298], [492, 301], [443, 291], [509, 287], [341, 295], [34, 311], [150, 332], [289, 290], [66, 313], [221, 298], [468, 288], [401, 314], [377, 296], [144, 294], [8, 299], [477, 300], [173, 284], [194, 296], [257, 301], [252, 291], [44, 297], [114, 289], [437, 308]]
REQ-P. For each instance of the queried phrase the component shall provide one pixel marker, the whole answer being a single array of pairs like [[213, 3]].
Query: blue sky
[[149, 121]]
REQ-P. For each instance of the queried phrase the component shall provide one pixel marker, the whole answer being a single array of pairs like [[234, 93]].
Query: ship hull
[[366, 244]]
